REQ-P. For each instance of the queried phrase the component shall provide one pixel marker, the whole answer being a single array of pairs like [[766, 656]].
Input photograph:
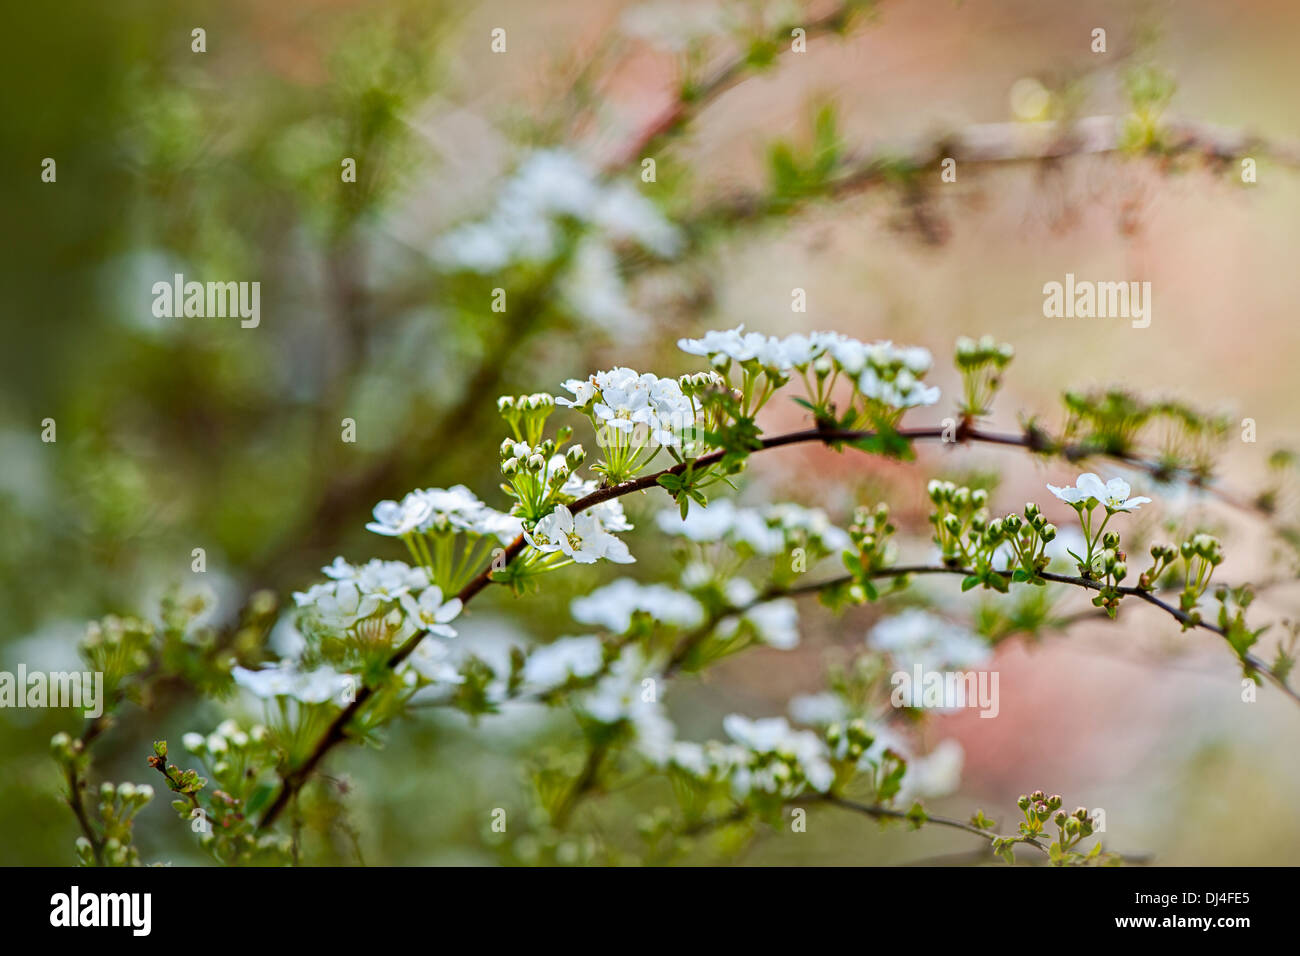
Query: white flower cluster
[[356, 593], [552, 189], [624, 401], [284, 679], [881, 371], [613, 605], [916, 637], [767, 756], [765, 531], [775, 623], [630, 692], [228, 736], [551, 665], [582, 538], [443, 511]]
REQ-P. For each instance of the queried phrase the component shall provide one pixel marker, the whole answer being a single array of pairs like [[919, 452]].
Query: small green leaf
[[917, 815]]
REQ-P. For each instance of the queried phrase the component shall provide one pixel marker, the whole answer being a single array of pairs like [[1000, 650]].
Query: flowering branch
[[336, 732]]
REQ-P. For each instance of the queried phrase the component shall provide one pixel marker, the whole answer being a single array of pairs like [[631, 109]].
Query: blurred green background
[[177, 434]]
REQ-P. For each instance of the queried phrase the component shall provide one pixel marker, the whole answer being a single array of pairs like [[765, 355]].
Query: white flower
[[630, 692], [430, 614], [774, 735], [707, 524], [495, 524], [1114, 494], [594, 288], [339, 570], [193, 742], [640, 408], [737, 345], [802, 350], [936, 774], [388, 580], [711, 760], [811, 522], [339, 603], [818, 710], [624, 214], [549, 191], [849, 354], [285, 680], [435, 662], [915, 637], [582, 539], [397, 519], [613, 605], [552, 664], [776, 624], [764, 530], [583, 392]]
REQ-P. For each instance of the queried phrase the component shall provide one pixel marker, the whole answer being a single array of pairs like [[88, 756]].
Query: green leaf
[[969, 582], [917, 815]]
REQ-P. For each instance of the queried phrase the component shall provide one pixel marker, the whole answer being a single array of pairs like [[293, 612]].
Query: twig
[[75, 801]]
